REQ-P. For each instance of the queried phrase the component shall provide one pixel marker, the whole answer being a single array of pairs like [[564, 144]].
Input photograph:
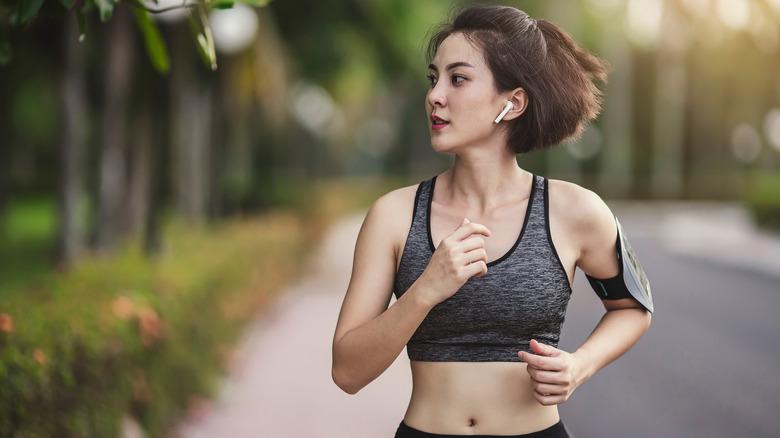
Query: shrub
[[147, 337], [133, 335], [763, 198]]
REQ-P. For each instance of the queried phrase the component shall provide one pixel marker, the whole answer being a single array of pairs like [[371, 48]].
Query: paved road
[[707, 367]]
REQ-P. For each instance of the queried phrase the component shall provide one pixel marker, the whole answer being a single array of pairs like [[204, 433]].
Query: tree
[[19, 13]]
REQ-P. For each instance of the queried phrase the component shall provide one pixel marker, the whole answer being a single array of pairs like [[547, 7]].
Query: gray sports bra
[[523, 296]]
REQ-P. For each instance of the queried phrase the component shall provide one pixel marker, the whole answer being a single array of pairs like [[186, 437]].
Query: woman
[[482, 257]]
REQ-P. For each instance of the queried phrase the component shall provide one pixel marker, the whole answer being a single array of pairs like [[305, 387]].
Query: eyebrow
[[452, 66]]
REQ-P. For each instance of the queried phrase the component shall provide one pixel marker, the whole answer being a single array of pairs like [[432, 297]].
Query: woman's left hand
[[554, 373]]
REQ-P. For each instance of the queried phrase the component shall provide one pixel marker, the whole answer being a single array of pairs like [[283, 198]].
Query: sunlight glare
[[734, 13], [643, 21], [234, 29]]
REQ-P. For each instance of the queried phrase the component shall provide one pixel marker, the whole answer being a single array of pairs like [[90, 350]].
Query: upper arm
[[591, 227], [377, 248]]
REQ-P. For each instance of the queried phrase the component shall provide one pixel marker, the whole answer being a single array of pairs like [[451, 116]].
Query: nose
[[436, 97]]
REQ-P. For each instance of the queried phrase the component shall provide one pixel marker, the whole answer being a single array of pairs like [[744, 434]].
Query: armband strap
[[631, 281]]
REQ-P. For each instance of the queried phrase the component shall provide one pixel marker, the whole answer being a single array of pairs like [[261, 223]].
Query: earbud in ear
[[509, 106]]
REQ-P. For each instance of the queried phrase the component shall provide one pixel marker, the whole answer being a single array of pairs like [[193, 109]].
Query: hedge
[[763, 198], [129, 335]]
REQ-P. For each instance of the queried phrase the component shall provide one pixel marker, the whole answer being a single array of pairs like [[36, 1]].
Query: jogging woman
[[482, 257]]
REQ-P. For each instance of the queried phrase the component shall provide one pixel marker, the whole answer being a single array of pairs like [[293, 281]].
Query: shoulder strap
[[421, 210]]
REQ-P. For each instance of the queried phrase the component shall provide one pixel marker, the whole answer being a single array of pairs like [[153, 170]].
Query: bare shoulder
[[585, 220], [398, 198], [391, 215], [578, 209], [394, 206]]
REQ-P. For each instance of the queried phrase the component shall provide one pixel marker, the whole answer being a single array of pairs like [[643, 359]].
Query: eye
[[433, 79], [457, 79]]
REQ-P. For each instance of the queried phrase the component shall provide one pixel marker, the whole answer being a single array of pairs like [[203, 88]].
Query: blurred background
[[154, 165]]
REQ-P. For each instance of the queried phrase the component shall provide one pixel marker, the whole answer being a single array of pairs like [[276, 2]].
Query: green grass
[[27, 233]]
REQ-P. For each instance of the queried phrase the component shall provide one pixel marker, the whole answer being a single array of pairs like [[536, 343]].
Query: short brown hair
[[558, 76]]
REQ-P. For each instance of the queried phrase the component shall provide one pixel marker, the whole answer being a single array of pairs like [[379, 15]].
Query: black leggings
[[555, 431]]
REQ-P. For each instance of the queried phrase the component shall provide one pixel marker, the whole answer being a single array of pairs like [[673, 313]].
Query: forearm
[[615, 334], [365, 352]]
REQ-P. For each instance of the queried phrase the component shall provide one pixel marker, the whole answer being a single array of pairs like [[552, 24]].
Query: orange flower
[[150, 326], [39, 356], [123, 307], [6, 323]]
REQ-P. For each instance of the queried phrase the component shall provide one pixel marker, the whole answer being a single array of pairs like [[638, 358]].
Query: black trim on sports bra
[[547, 226], [511, 250], [411, 224], [428, 214]]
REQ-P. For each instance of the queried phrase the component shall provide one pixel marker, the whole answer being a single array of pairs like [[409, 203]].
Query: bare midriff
[[475, 398]]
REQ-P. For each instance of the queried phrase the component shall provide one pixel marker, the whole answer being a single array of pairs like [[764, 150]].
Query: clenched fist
[[460, 256]]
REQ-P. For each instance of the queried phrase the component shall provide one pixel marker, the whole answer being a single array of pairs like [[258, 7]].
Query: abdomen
[[475, 398]]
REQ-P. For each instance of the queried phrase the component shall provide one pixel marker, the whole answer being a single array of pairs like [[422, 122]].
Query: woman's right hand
[[460, 256]]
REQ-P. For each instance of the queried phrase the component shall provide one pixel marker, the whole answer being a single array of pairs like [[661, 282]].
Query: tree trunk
[[113, 136], [669, 116], [191, 120], [616, 178], [140, 174], [70, 237]]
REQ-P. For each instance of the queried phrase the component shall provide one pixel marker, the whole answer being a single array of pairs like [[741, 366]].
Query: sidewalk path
[[282, 386], [718, 232]]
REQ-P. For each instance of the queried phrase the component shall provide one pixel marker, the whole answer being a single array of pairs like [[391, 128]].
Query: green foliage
[[153, 41], [106, 8], [5, 48], [763, 198], [133, 335], [35, 108], [223, 5], [129, 335], [257, 3], [24, 10], [199, 26], [21, 12], [26, 236]]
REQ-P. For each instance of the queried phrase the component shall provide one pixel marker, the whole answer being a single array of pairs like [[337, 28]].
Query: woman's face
[[462, 101]]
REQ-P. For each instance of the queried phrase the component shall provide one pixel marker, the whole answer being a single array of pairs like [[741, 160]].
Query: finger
[[475, 255], [545, 363], [476, 269], [549, 399], [464, 222], [467, 230], [544, 349], [547, 389], [472, 243], [545, 376]]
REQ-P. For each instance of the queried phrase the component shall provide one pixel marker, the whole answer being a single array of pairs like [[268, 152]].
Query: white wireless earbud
[[509, 106]]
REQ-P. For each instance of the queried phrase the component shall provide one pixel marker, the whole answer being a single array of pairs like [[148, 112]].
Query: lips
[[438, 123]]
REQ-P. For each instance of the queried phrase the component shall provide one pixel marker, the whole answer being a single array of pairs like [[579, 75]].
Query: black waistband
[[557, 430]]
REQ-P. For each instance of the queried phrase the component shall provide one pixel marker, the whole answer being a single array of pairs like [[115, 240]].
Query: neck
[[483, 182]]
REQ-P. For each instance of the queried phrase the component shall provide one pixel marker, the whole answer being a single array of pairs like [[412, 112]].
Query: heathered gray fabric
[[523, 296]]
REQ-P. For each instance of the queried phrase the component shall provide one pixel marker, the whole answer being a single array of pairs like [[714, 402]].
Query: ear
[[519, 99]]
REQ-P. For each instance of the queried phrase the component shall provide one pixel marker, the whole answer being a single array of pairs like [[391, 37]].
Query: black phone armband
[[631, 281]]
